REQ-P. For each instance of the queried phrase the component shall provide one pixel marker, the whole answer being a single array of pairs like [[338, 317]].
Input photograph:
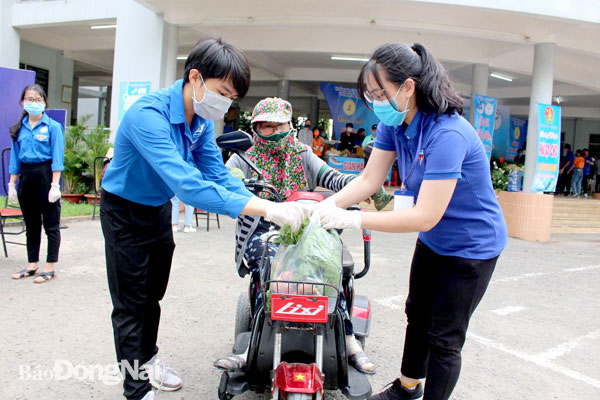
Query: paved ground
[[536, 335]]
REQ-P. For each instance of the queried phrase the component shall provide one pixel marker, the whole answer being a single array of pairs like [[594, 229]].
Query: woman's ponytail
[[437, 92], [16, 128]]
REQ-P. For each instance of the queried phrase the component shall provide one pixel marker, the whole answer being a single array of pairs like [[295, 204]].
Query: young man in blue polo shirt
[[159, 140]]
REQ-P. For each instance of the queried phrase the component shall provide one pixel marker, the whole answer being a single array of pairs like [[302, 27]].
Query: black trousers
[[443, 293], [34, 185], [139, 249]]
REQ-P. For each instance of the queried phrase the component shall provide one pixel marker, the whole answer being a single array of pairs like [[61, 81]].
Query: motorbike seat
[[347, 263]]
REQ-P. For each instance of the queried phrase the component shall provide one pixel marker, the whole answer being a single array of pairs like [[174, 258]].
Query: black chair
[[9, 212], [198, 212], [99, 165]]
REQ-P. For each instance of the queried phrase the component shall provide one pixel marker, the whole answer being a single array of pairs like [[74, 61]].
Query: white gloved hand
[[290, 213], [12, 193], [54, 193], [338, 218], [323, 206]]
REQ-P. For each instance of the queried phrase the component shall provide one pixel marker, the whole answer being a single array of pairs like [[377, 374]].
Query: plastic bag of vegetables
[[311, 255]]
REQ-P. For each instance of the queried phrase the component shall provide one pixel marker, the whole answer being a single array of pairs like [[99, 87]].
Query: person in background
[[520, 157], [347, 138], [370, 137], [587, 172], [187, 219], [158, 139], [317, 143], [359, 138], [306, 134], [578, 164], [462, 232], [36, 159], [568, 169], [597, 168]]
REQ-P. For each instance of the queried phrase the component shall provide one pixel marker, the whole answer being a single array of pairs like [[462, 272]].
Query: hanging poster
[[548, 155], [485, 115], [346, 106], [130, 92]]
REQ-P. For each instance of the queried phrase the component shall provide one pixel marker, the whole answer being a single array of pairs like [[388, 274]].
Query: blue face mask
[[34, 108], [387, 111]]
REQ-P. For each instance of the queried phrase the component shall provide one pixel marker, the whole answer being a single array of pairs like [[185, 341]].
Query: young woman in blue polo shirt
[[36, 160], [445, 170]]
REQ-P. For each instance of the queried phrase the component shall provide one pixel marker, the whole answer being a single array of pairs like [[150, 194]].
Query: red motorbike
[[295, 337]]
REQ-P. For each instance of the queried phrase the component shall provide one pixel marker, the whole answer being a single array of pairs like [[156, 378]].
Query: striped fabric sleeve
[[332, 179]]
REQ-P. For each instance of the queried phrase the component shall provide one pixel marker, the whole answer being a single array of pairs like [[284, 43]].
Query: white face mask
[[213, 106]]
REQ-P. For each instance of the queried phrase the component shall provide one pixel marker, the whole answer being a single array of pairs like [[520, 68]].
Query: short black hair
[[567, 146], [361, 130], [349, 125], [217, 58], [374, 126]]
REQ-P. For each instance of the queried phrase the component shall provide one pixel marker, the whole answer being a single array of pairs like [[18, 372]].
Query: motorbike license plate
[[297, 308]]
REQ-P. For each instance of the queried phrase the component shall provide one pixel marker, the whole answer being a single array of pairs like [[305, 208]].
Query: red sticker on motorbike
[[297, 308]]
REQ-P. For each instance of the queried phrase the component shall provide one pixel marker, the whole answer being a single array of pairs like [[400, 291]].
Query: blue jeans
[[189, 213], [576, 182]]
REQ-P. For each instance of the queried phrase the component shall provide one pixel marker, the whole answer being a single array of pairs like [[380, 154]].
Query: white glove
[[324, 206], [54, 193], [12, 193], [338, 218], [290, 213]]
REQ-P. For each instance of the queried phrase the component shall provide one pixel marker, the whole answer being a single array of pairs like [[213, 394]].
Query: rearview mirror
[[235, 141]]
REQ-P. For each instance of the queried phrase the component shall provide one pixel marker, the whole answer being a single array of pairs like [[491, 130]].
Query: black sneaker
[[398, 392]]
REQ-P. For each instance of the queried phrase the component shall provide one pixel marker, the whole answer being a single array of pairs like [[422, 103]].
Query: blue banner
[[346, 106], [501, 131], [485, 115], [347, 165], [129, 93], [548, 154], [517, 136]]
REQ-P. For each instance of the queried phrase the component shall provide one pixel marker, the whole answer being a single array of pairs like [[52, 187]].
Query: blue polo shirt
[[154, 147], [45, 142], [473, 225]]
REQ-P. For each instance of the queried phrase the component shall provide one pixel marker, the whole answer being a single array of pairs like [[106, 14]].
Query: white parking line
[[394, 302], [566, 347], [536, 274], [508, 310], [538, 359]]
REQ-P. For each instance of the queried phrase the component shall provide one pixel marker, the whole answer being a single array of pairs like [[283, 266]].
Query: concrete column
[[541, 92], [10, 41], [106, 121], [169, 59], [283, 89], [138, 56], [479, 84], [313, 113], [219, 126]]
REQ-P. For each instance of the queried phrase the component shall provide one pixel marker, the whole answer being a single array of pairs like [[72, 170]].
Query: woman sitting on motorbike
[[290, 166]]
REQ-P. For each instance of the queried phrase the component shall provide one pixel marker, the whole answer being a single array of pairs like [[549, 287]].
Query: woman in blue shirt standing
[[449, 200], [159, 137], [36, 159]]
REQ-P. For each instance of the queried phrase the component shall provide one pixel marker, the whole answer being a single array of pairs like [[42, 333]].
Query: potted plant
[[74, 165], [97, 145]]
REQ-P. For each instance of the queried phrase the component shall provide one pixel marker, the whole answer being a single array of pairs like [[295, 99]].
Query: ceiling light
[[182, 57], [500, 76], [349, 58], [557, 99], [103, 26]]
